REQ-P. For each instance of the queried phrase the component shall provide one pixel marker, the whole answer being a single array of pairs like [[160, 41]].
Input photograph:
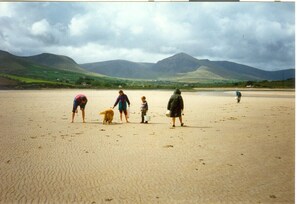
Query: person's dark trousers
[[143, 113]]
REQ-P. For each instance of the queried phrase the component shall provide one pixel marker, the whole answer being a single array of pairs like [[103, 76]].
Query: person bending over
[[81, 101]]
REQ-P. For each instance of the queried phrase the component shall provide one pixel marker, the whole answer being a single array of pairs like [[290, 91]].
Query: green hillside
[[56, 61], [203, 75]]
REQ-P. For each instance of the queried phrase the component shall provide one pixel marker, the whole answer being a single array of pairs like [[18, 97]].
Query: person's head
[[84, 99], [121, 92], [143, 98], [177, 91]]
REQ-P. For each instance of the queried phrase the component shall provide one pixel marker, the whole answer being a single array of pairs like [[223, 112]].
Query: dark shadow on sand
[[100, 123], [190, 126]]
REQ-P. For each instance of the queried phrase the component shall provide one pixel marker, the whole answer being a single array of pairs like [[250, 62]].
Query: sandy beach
[[226, 153]]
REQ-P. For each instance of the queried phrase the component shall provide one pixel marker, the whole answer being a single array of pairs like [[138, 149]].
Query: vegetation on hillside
[[75, 80]]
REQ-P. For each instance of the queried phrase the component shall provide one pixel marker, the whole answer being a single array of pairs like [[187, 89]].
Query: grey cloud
[[257, 34]]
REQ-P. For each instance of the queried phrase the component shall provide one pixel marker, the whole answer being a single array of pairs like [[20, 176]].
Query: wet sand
[[226, 153]]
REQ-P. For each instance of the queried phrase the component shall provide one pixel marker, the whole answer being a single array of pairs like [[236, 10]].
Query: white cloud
[[6, 9], [79, 25], [41, 27]]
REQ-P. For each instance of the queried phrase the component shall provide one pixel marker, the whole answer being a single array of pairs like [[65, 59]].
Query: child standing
[[143, 109]]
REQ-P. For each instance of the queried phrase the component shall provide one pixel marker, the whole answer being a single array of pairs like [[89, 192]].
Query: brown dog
[[108, 116]]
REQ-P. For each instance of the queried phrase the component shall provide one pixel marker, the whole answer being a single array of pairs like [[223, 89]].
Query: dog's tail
[[104, 112]]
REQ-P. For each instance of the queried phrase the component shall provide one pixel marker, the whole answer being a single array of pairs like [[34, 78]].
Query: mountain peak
[[182, 54], [179, 56], [178, 63]]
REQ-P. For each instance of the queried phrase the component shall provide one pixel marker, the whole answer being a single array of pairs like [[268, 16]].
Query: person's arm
[[74, 110], [116, 103], [181, 103], [169, 103], [128, 100]]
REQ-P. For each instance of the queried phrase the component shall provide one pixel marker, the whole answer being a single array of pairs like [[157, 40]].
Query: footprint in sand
[[108, 199], [201, 160], [168, 146], [272, 196], [8, 161], [232, 118]]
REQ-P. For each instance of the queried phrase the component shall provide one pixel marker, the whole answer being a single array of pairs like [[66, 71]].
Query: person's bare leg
[[173, 122], [181, 121], [73, 114], [126, 118], [121, 117], [83, 115]]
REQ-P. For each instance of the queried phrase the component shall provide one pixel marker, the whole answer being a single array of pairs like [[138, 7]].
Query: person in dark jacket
[[176, 107], [122, 100], [238, 96]]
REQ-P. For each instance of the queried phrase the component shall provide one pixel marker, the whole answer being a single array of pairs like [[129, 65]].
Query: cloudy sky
[[256, 34]]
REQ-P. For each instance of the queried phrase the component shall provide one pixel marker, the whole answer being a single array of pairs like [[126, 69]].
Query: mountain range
[[183, 67], [180, 67]]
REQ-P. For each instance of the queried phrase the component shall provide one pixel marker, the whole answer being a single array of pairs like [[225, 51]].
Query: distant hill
[[56, 61], [48, 71], [231, 70], [10, 63], [183, 67], [121, 68]]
